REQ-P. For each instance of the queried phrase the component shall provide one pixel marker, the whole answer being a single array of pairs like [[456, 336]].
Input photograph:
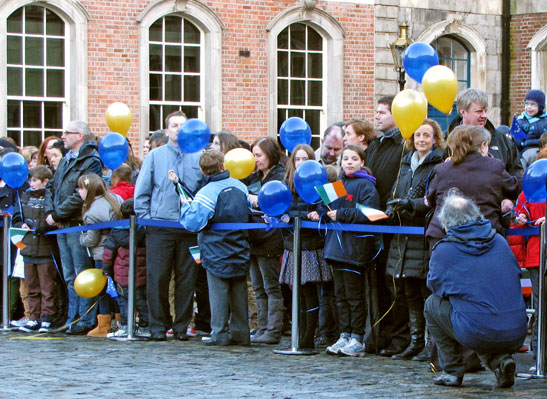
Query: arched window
[[175, 69], [455, 55], [300, 77], [36, 74]]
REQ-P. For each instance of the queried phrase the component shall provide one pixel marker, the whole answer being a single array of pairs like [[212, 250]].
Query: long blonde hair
[[96, 187]]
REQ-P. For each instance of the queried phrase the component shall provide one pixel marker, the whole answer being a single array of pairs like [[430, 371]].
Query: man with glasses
[[64, 209]]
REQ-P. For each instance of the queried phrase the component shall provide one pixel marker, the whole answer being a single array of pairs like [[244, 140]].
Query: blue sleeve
[[143, 188], [437, 271], [195, 214]]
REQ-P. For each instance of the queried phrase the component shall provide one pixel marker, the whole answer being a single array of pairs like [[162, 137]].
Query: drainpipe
[[505, 62]]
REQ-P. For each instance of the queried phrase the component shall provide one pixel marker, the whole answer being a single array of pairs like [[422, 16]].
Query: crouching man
[[476, 295]]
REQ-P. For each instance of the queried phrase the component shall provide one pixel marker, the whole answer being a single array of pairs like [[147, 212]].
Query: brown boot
[[103, 327]]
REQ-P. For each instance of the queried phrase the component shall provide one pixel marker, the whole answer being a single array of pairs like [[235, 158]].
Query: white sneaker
[[19, 323], [44, 327], [338, 345], [122, 332], [354, 348], [143, 332]]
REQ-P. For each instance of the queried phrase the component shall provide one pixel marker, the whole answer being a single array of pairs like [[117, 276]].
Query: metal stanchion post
[[131, 292], [5, 276], [540, 314], [295, 333]]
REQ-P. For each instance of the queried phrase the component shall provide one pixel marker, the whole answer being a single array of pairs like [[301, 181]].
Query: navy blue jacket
[[475, 269], [534, 127], [348, 247]]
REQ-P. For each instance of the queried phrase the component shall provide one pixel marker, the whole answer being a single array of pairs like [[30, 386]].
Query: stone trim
[[538, 59]]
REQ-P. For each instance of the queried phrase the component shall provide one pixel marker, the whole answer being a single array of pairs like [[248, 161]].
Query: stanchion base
[[126, 338], [528, 376], [8, 329], [294, 351]]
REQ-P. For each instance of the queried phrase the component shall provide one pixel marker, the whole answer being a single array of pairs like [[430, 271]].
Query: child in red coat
[[121, 182]]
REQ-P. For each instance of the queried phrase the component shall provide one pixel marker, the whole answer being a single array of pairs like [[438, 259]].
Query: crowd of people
[[361, 293]]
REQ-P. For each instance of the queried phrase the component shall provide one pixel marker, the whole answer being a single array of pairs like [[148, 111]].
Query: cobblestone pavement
[[58, 366]]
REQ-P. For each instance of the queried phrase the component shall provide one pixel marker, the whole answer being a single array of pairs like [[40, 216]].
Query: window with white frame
[[175, 65], [36, 74], [300, 77]]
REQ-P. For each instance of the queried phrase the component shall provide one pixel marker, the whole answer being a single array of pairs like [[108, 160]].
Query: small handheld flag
[[17, 235], [331, 191], [184, 196], [196, 254], [516, 131], [371, 213], [111, 288]]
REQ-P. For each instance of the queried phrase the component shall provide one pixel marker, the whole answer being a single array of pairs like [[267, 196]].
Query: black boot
[[417, 330]]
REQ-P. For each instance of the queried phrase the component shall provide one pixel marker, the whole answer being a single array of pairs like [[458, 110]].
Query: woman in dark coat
[[408, 254]]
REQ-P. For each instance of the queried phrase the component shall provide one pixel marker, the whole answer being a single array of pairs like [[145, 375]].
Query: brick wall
[[523, 28], [114, 60]]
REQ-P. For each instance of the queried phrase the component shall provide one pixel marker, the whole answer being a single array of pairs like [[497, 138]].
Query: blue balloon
[[194, 136], [274, 198], [14, 169], [533, 183], [418, 58], [113, 150], [308, 175], [294, 131]]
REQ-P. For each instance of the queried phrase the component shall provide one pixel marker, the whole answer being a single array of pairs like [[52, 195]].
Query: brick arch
[[538, 59]]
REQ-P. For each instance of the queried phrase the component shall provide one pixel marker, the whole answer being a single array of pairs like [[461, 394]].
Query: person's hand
[[313, 216], [506, 205], [254, 200], [399, 204], [522, 219], [285, 218], [332, 215], [426, 202], [49, 220], [540, 221], [25, 226], [173, 176]]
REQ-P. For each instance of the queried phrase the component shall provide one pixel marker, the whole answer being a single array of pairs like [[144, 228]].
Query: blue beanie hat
[[538, 96]]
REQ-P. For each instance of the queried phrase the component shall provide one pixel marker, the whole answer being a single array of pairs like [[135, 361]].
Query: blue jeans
[[74, 259]]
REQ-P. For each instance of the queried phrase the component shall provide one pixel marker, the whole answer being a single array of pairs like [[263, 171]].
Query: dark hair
[[123, 172], [227, 141], [211, 162], [244, 144], [175, 113], [360, 152], [158, 139], [438, 140], [41, 172], [60, 145], [96, 186], [42, 160], [127, 208], [289, 173], [388, 100], [132, 161], [334, 128], [364, 128], [270, 148]]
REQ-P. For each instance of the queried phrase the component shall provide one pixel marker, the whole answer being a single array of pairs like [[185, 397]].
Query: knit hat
[[538, 96]]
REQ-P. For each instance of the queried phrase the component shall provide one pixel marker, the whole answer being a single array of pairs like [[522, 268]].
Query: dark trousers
[[41, 280], [349, 290], [398, 325], [202, 318], [437, 313], [328, 318], [167, 250], [140, 304]]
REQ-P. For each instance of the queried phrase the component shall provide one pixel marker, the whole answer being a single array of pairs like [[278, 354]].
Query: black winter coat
[[265, 243], [347, 247], [311, 239], [62, 199], [408, 254]]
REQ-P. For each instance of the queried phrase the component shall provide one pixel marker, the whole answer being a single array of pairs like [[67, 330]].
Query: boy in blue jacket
[[224, 253]]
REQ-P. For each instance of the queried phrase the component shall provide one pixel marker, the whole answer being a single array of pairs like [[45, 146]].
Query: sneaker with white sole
[[31, 326], [191, 332], [337, 346], [169, 333], [45, 326], [121, 332], [143, 332], [19, 323], [353, 348]]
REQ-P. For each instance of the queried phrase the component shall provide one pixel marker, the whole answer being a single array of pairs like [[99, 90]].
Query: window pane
[[14, 113], [32, 114], [295, 112], [172, 58], [15, 21], [55, 55], [315, 93], [282, 63], [53, 115], [154, 119], [15, 53], [172, 88], [155, 87], [298, 63], [167, 109], [191, 33], [298, 36], [190, 111], [281, 117], [154, 33], [156, 55], [191, 59], [313, 117], [191, 88], [460, 69], [34, 19], [315, 142], [55, 84], [34, 82], [54, 24], [172, 29], [458, 50], [32, 138], [283, 39], [15, 81], [16, 135], [315, 65], [283, 91], [34, 51], [315, 41], [297, 92]]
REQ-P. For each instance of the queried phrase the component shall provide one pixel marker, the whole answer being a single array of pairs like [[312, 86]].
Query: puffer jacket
[[534, 127], [409, 254], [311, 239], [63, 201], [116, 255]]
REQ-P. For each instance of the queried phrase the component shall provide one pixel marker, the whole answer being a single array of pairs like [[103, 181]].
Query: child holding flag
[[350, 253]]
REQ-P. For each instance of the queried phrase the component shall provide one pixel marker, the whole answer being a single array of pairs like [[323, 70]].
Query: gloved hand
[[400, 204], [521, 144], [389, 211], [108, 270]]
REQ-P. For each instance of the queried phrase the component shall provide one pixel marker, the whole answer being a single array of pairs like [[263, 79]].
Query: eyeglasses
[[530, 104], [69, 132]]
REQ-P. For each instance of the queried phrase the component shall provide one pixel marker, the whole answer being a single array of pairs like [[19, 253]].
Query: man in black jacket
[[64, 209]]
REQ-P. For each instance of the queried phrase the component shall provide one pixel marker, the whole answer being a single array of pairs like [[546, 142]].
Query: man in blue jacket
[[476, 296], [225, 254], [168, 250]]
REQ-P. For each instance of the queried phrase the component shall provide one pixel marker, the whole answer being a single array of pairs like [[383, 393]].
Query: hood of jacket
[[475, 238]]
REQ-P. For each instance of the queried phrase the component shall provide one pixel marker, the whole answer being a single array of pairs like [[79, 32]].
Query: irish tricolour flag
[[196, 253], [331, 191], [16, 236], [371, 213]]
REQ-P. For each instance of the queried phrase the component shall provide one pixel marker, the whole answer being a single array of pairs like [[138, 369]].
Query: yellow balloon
[[440, 87], [119, 118], [409, 110], [240, 162], [90, 283]]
